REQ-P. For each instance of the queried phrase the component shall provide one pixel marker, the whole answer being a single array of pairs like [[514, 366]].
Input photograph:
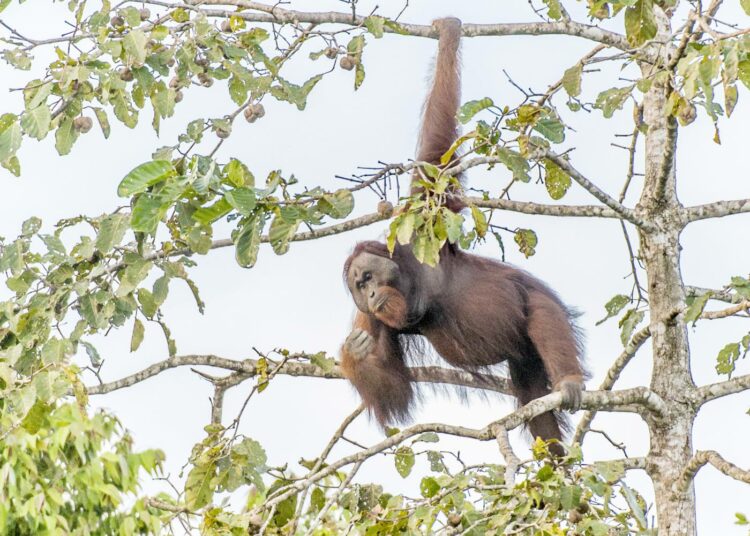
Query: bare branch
[[721, 295], [631, 464], [248, 368], [716, 210], [713, 391], [512, 461], [701, 458], [729, 311], [575, 211], [259, 12]]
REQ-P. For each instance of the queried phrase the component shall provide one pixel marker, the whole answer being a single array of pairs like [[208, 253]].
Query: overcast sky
[[298, 301]]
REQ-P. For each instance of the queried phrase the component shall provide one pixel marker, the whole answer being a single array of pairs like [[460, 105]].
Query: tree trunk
[[671, 436]]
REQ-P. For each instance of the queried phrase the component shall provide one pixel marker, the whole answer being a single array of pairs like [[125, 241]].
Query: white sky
[[298, 301]]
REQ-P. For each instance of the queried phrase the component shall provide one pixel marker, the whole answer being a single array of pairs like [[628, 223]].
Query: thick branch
[[729, 311], [248, 367], [701, 458], [716, 210], [575, 211], [721, 389], [260, 12], [721, 295]]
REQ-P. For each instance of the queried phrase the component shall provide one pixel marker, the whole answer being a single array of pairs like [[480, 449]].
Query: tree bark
[[671, 436]]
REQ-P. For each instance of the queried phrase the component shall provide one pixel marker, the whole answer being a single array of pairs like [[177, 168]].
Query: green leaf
[[36, 122], [571, 80], [36, 418], [744, 3], [137, 337], [356, 45], [429, 487], [404, 461], [453, 224], [238, 174], [101, 117], [472, 108], [297, 95], [405, 228], [614, 306], [143, 176], [696, 307], [31, 226], [280, 232], [628, 324], [237, 90], [527, 241], [92, 352], [728, 356], [553, 9], [134, 44], [640, 22], [374, 25], [247, 243], [148, 303], [147, 213], [480, 221], [612, 99], [516, 163], [13, 165], [161, 289], [551, 128], [10, 139], [337, 205], [427, 437], [320, 360], [111, 232], [359, 76], [208, 215], [90, 311], [570, 497], [242, 200], [65, 136], [556, 180], [199, 487]]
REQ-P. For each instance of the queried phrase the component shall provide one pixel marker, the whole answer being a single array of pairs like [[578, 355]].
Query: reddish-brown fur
[[394, 309], [474, 311]]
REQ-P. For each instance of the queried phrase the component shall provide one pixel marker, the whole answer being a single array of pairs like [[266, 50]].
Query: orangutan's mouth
[[379, 304]]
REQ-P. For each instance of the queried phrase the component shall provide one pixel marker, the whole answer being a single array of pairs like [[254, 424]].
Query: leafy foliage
[[64, 469]]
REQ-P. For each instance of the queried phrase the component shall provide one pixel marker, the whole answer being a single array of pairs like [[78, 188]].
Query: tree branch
[[721, 295], [713, 391], [260, 12], [594, 190], [716, 210], [575, 211], [609, 400], [613, 374], [701, 458], [248, 367], [729, 311]]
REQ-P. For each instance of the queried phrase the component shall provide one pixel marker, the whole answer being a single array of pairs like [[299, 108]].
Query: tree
[[68, 468]]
